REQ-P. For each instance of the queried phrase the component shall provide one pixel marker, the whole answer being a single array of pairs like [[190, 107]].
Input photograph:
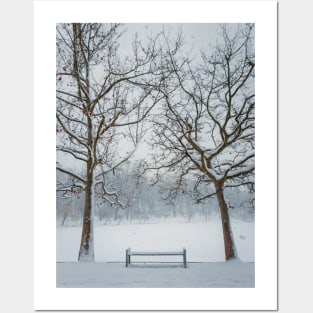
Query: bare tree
[[101, 99], [206, 128]]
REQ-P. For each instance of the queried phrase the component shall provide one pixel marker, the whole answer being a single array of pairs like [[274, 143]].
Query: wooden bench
[[130, 253]]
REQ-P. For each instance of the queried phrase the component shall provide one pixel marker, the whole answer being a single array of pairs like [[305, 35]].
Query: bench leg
[[185, 258], [127, 257]]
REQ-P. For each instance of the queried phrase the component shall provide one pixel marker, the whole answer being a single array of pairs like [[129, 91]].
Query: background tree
[[100, 99], [206, 128]]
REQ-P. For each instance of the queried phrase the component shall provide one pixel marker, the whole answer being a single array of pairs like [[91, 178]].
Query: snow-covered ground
[[205, 256], [111, 275]]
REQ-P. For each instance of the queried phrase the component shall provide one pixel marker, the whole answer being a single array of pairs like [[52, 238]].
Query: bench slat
[[155, 253]]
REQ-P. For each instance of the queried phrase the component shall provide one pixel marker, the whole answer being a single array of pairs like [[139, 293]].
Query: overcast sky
[[196, 35]]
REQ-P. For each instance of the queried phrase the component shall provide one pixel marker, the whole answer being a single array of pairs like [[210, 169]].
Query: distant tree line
[[147, 202]]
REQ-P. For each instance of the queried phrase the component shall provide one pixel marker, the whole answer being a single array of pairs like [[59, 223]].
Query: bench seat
[[130, 253]]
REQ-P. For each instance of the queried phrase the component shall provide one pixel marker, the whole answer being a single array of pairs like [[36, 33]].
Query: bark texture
[[230, 250]]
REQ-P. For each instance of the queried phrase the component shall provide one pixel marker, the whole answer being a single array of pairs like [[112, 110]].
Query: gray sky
[[196, 35]]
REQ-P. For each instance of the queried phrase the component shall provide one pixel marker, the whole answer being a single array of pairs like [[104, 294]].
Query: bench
[[130, 253]]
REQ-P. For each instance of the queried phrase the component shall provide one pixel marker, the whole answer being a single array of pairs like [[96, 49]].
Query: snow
[[206, 266], [203, 240], [112, 275]]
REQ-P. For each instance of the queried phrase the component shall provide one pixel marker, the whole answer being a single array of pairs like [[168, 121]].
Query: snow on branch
[[240, 168], [206, 197], [71, 174], [244, 170], [74, 153], [113, 194]]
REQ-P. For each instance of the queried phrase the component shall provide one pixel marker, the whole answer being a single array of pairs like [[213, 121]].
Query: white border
[[264, 295]]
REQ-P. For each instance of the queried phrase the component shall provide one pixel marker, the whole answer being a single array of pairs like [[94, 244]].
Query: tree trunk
[[115, 214], [64, 218], [229, 244], [86, 252]]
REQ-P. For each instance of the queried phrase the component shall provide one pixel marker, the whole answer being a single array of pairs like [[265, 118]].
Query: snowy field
[[205, 256], [196, 275]]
